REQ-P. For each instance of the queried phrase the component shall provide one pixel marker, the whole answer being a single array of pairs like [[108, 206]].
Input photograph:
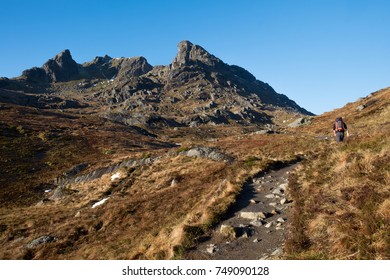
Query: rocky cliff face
[[189, 54]]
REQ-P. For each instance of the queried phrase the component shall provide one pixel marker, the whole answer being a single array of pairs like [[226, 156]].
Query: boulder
[[211, 248], [360, 108], [277, 252], [40, 240], [300, 122], [278, 191], [268, 225], [205, 152], [252, 215]]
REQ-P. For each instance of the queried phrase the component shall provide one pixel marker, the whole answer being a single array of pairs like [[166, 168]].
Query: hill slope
[[342, 192]]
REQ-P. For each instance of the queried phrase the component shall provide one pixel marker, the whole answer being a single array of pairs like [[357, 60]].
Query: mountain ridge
[[192, 69]]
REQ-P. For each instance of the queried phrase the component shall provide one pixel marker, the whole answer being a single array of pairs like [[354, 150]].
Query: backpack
[[339, 126]]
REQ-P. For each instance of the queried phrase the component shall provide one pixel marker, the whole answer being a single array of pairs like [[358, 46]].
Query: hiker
[[339, 127]]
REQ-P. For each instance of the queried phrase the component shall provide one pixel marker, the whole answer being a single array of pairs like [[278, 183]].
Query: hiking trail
[[258, 220]]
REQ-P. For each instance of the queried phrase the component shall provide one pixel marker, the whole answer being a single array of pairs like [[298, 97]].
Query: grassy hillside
[[158, 209], [342, 193]]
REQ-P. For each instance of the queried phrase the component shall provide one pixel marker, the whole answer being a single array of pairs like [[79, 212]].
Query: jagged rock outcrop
[[189, 54], [207, 152], [197, 88], [100, 68], [133, 67], [63, 68]]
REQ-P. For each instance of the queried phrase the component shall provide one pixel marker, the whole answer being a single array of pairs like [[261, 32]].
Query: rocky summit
[[197, 88]]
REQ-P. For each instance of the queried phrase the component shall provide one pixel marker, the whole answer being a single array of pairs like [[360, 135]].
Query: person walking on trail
[[339, 128]]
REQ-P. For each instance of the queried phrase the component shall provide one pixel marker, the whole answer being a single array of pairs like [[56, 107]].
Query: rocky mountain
[[196, 88]]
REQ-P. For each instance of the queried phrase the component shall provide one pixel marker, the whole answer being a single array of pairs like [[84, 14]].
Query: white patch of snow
[[116, 176], [100, 202], [49, 190]]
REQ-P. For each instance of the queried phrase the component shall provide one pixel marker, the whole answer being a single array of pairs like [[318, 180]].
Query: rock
[[76, 169], [256, 240], [100, 202], [270, 196], [283, 186], [280, 220], [252, 201], [206, 152], [78, 214], [300, 122], [252, 215], [278, 191], [277, 252], [283, 201], [273, 204], [257, 181], [262, 132], [59, 193], [174, 182], [270, 224], [360, 108], [116, 175], [40, 240], [211, 249], [256, 223]]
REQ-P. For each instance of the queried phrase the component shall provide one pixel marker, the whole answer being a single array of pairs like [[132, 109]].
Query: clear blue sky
[[320, 53]]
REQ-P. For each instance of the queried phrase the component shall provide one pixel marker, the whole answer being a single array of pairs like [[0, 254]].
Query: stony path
[[255, 228]]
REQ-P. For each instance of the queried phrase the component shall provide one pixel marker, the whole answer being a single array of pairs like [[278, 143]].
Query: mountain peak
[[61, 68], [189, 54], [64, 55]]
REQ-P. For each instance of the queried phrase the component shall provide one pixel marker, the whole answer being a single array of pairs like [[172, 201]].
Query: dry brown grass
[[145, 217], [342, 194]]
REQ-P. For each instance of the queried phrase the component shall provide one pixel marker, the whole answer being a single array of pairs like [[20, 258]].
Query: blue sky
[[320, 53]]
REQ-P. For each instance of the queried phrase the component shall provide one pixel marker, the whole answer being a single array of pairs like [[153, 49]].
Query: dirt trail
[[256, 238]]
